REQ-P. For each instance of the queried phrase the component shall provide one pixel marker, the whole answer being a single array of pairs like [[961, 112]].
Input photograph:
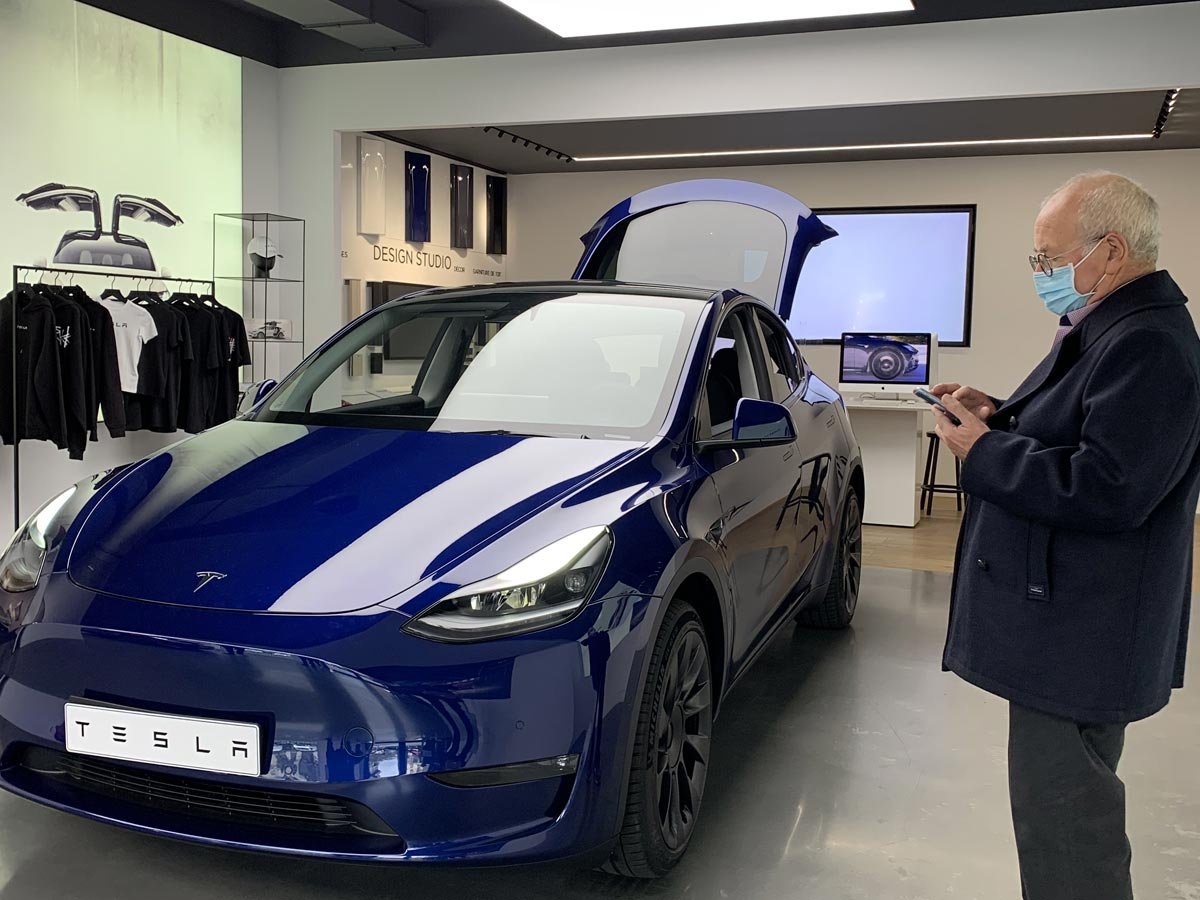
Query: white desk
[[890, 433]]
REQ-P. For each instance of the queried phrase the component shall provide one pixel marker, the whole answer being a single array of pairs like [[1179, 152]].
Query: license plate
[[183, 742]]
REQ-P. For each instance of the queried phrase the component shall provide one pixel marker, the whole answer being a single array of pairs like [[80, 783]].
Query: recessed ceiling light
[[835, 148], [578, 18]]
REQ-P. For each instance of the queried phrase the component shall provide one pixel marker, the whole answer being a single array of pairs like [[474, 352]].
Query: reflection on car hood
[[269, 517]]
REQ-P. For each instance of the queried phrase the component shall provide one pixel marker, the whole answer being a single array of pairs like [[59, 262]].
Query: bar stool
[[929, 484]]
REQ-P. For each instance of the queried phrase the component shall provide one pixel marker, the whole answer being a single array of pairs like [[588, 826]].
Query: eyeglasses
[[1045, 264]]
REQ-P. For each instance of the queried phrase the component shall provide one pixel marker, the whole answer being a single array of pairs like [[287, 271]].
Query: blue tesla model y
[[482, 606]]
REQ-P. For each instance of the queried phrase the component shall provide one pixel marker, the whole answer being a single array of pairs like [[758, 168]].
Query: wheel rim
[[683, 738], [851, 554], [886, 365]]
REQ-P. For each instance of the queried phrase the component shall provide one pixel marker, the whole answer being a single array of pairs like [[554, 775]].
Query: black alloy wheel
[[671, 750], [852, 554], [886, 365], [684, 727], [836, 609]]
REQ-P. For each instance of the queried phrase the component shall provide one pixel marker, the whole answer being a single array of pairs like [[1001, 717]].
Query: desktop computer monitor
[[887, 364]]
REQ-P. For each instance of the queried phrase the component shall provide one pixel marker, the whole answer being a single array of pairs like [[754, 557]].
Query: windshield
[[597, 365]]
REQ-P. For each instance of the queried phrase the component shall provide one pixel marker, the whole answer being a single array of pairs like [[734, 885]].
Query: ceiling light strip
[[842, 148], [534, 145], [1164, 114]]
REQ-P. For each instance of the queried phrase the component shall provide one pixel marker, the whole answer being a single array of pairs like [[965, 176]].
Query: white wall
[[1120, 49], [102, 102]]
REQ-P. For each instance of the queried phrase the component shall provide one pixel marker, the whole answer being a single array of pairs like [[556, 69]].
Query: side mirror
[[255, 394], [756, 423]]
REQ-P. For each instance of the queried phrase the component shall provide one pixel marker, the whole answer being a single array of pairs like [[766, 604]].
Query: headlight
[[542, 590], [22, 561]]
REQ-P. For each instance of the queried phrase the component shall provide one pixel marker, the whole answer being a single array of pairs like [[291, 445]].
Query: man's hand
[[959, 438], [974, 399]]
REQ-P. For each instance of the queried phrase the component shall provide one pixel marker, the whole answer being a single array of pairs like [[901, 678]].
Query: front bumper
[[355, 715]]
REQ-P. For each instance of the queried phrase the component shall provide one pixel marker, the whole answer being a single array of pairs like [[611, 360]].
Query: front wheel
[[671, 748], [836, 608]]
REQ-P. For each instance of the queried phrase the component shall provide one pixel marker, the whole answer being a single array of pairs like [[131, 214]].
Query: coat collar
[[1153, 291]]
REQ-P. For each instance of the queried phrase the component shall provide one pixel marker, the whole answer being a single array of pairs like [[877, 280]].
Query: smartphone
[[934, 401]]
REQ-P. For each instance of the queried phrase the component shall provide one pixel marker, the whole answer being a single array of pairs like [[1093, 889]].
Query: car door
[[753, 486], [806, 510], [716, 233]]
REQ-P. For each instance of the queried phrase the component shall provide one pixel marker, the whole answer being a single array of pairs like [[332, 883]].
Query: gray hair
[[1112, 203]]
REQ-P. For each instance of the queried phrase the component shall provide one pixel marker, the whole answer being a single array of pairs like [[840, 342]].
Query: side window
[[730, 376], [784, 369]]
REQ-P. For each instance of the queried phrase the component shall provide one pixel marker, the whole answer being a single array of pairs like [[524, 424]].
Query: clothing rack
[[21, 276]]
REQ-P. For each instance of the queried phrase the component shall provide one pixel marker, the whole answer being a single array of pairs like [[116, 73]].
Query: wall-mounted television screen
[[886, 359], [889, 269]]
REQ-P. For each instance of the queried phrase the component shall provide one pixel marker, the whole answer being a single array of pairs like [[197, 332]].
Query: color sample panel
[[416, 197], [497, 212], [462, 207]]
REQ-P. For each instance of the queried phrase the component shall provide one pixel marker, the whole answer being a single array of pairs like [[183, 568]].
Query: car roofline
[[674, 292]]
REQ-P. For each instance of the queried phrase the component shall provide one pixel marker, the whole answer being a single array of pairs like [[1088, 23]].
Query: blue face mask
[[1058, 290]]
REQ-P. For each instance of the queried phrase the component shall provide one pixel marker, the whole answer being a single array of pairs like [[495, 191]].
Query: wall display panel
[[417, 169], [372, 177], [497, 215], [890, 269], [462, 207], [391, 256]]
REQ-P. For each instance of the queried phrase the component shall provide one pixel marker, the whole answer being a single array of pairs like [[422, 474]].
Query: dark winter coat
[[1072, 582]]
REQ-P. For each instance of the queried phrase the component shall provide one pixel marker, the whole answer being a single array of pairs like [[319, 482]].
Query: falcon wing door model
[[482, 606], [97, 247]]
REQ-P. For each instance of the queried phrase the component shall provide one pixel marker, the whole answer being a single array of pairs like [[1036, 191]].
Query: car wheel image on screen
[[885, 358]]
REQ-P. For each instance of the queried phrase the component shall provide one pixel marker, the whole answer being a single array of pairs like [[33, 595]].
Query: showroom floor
[[846, 767]]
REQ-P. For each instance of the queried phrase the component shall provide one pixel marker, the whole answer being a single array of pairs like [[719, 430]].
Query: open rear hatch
[[710, 233]]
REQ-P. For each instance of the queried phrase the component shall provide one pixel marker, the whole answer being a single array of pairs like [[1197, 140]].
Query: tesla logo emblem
[[206, 577]]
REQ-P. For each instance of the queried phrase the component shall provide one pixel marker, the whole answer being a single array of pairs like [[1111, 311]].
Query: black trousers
[[1068, 807]]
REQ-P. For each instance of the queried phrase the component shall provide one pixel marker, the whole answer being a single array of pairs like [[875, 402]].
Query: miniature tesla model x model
[[97, 247], [483, 606]]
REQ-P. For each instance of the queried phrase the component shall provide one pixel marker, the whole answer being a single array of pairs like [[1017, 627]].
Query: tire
[[886, 365], [671, 750], [836, 609]]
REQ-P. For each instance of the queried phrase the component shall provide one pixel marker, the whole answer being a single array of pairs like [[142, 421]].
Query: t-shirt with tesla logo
[[133, 327]]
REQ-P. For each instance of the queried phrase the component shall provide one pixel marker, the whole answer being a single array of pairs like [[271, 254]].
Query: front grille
[[270, 808]]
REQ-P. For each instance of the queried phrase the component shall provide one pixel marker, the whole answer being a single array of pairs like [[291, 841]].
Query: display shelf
[[259, 217], [251, 251]]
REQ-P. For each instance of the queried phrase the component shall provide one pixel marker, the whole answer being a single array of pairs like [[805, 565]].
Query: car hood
[[267, 517]]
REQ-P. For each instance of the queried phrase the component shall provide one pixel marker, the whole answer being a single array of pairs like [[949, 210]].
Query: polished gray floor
[[846, 766]]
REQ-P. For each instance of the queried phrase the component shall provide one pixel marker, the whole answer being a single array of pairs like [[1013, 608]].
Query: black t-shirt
[[237, 354], [199, 398], [161, 414]]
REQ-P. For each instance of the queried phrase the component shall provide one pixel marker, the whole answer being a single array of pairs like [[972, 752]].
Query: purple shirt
[[1068, 322]]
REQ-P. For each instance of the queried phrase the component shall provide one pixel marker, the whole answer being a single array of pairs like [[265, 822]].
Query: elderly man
[[1072, 581]]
